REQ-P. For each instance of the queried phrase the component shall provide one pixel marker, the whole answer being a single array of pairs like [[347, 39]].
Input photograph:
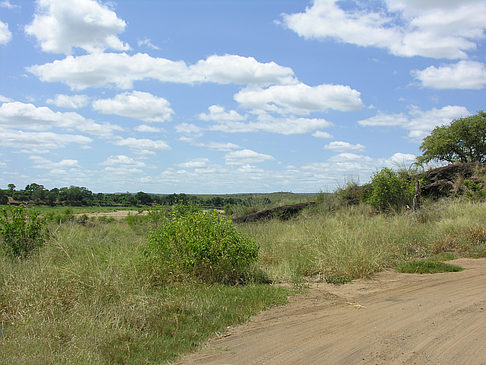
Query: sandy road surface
[[392, 319]]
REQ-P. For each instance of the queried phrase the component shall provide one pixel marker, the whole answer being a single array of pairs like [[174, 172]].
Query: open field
[[86, 296]]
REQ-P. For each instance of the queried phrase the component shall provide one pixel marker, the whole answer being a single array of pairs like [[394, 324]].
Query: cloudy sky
[[219, 96]]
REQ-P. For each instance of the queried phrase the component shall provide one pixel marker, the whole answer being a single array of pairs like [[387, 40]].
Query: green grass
[[85, 298], [356, 242], [426, 267]]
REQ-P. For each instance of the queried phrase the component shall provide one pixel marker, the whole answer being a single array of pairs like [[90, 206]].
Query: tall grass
[[85, 298], [82, 299], [355, 242]]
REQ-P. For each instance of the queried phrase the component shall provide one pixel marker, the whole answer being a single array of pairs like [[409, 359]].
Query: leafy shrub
[[474, 192], [199, 244], [21, 232], [353, 193], [390, 191]]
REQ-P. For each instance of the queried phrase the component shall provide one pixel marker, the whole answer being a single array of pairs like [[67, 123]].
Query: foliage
[[201, 244], [21, 232], [463, 140], [390, 191], [427, 267], [82, 300], [3, 198]]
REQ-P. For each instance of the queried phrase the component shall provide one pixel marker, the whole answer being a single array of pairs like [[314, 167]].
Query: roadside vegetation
[[150, 287]]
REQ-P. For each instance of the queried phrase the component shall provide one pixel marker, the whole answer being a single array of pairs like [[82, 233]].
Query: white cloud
[[188, 128], [40, 142], [142, 144], [147, 43], [246, 156], [121, 69], [41, 118], [241, 70], [321, 134], [4, 99], [462, 75], [300, 98], [218, 114], [69, 101], [137, 105], [399, 160], [418, 123], [5, 34], [267, 123], [437, 29], [122, 160], [195, 163], [61, 25], [45, 164], [219, 146], [147, 129], [340, 146], [7, 4]]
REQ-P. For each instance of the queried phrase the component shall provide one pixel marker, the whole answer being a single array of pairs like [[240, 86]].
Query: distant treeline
[[81, 196]]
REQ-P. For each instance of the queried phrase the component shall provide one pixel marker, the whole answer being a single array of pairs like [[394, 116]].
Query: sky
[[230, 96]]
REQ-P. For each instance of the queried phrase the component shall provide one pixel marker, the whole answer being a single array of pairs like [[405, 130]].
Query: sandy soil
[[392, 319], [116, 214]]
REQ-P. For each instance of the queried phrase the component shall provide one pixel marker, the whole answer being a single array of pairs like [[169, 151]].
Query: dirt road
[[392, 319]]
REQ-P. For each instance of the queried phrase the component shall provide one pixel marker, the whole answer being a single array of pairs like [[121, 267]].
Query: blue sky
[[219, 96]]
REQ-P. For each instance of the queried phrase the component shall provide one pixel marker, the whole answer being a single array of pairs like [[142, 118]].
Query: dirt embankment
[[392, 319]]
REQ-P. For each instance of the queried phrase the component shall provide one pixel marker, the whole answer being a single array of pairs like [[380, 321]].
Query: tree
[[463, 140], [11, 187]]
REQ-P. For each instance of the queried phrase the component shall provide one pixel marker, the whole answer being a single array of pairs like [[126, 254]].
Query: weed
[[426, 267], [21, 232]]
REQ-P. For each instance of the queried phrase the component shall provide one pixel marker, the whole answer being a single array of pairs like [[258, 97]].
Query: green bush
[[21, 232], [199, 244], [389, 191]]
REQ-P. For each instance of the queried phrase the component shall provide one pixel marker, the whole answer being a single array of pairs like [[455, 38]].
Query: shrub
[[21, 232], [390, 191], [200, 244]]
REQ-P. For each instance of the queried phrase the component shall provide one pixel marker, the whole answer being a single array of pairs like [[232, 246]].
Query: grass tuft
[[426, 267]]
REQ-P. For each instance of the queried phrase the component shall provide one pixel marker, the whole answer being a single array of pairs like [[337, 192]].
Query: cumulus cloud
[[69, 101], [147, 129], [45, 164], [42, 118], [437, 29], [300, 98], [137, 105], [195, 163], [4, 99], [5, 34], [340, 146], [462, 75], [7, 4], [61, 25], [39, 142], [188, 128], [218, 114], [121, 69], [142, 144], [219, 146], [321, 134], [264, 122], [418, 123], [246, 156], [147, 43], [122, 160]]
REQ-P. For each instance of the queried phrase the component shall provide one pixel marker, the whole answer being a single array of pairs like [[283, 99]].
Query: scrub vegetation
[[150, 287]]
